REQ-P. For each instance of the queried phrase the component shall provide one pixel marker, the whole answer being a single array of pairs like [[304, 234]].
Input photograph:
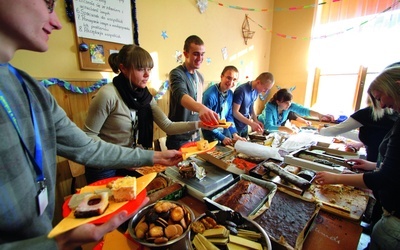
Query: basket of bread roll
[[161, 224]]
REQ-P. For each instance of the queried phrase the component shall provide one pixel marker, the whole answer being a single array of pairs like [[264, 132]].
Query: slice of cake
[[202, 145], [92, 205], [222, 122], [124, 189]]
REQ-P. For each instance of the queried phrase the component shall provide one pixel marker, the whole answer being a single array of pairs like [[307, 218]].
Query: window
[[348, 35]]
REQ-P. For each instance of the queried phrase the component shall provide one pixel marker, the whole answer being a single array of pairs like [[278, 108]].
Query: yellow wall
[[219, 27], [288, 60]]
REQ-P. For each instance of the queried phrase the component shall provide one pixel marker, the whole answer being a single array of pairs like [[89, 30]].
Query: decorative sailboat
[[247, 33]]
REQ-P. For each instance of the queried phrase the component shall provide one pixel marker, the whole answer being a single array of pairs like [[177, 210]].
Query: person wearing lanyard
[[123, 111], [218, 97], [243, 103], [34, 130], [186, 88]]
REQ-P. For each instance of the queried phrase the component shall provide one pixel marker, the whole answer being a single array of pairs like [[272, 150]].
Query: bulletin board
[[102, 28], [96, 57]]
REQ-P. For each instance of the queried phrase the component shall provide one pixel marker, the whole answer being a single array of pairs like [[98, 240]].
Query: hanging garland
[[329, 35], [162, 90], [74, 89], [81, 90], [276, 9]]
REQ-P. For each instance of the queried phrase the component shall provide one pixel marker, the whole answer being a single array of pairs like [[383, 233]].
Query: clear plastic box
[[215, 179]]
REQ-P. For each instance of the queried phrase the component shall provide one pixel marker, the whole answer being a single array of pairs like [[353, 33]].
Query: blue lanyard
[[37, 160]]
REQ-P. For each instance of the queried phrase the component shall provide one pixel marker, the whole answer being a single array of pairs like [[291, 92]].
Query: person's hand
[[236, 137], [308, 123], [208, 117], [227, 141], [323, 178], [362, 164], [90, 232], [327, 118], [167, 157], [257, 127]]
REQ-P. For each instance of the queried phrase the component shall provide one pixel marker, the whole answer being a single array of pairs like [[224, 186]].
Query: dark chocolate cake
[[286, 217], [244, 197]]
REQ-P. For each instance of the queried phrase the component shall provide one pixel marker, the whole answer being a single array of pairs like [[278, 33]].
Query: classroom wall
[[290, 46], [219, 27]]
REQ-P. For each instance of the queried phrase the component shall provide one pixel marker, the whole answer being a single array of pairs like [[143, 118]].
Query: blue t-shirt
[[245, 96]]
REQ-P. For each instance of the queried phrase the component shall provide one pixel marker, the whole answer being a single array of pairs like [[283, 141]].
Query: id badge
[[42, 200]]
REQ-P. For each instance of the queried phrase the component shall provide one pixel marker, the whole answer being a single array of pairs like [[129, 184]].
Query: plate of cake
[[197, 147], [99, 201]]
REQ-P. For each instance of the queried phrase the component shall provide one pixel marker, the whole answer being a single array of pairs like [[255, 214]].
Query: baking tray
[[213, 205], [261, 172], [294, 159], [274, 229], [176, 195], [334, 152]]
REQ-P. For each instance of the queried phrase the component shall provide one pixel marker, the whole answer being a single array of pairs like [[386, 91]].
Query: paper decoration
[[68, 86], [208, 60], [69, 8], [224, 51], [97, 53], [162, 90], [276, 9], [202, 4], [164, 34], [178, 56], [327, 35], [80, 90], [247, 33]]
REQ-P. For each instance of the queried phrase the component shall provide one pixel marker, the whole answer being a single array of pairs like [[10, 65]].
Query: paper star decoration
[[178, 56], [208, 60], [202, 4], [164, 34]]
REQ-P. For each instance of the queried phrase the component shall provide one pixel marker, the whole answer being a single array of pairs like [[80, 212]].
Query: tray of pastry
[[345, 201], [317, 161], [288, 219], [246, 195], [163, 187], [224, 158], [282, 178]]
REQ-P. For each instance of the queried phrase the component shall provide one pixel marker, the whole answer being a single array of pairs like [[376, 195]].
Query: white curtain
[[350, 33]]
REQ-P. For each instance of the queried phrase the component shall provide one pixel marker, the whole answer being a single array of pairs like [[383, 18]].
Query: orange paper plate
[[130, 206]]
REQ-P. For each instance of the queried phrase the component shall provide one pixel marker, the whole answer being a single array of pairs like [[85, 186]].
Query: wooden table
[[328, 231]]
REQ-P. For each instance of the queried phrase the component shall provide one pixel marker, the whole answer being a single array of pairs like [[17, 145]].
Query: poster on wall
[[104, 20]]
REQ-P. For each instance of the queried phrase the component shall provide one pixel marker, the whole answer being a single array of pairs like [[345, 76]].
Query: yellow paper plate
[[71, 222], [226, 125], [191, 149]]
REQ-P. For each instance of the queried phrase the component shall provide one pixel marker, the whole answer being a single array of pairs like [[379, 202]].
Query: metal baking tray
[[213, 205]]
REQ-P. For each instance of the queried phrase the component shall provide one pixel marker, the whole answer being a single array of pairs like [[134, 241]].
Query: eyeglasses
[[50, 5]]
